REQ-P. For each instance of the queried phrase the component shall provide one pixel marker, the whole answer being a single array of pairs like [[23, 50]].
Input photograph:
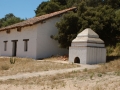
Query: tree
[[82, 7], [113, 3], [61, 2], [71, 3], [67, 29], [46, 8], [54, 5], [51, 7], [117, 18], [98, 15], [9, 19], [101, 20], [39, 11], [94, 3]]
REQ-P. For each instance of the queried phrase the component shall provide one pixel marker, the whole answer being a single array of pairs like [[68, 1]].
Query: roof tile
[[35, 20]]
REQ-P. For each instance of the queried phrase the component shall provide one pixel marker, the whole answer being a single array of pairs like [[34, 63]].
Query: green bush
[[85, 70], [99, 75], [117, 73], [12, 60], [110, 50], [91, 76]]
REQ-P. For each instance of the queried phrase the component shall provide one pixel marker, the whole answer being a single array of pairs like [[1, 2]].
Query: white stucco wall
[[26, 33], [46, 46], [96, 55], [40, 44], [80, 52], [87, 55], [87, 44]]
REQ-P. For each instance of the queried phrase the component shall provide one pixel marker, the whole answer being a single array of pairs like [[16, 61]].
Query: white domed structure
[[87, 48]]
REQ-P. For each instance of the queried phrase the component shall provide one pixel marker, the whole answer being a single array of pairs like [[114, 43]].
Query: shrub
[[91, 76], [85, 70], [110, 50], [117, 73], [99, 75], [12, 60]]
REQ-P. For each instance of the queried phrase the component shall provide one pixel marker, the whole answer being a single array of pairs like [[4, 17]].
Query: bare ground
[[105, 77], [106, 82], [43, 73]]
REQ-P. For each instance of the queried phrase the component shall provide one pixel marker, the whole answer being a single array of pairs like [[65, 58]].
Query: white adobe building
[[32, 38], [87, 48]]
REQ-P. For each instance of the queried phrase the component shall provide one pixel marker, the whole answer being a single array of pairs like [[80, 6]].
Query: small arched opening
[[77, 60]]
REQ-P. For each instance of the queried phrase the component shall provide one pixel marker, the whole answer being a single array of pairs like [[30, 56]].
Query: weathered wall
[[26, 33], [96, 55], [87, 55], [40, 44], [78, 52], [46, 46]]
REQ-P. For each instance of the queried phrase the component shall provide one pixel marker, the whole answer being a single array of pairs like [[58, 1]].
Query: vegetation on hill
[[9, 19], [113, 50], [54, 5], [100, 20], [103, 16], [103, 19]]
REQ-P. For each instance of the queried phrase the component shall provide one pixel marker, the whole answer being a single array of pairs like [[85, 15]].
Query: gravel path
[[43, 73]]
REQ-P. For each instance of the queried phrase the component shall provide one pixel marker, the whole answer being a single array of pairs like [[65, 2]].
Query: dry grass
[[112, 66], [113, 50], [51, 81], [106, 77], [23, 65], [107, 73]]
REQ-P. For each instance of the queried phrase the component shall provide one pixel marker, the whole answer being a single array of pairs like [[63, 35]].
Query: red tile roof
[[35, 20]]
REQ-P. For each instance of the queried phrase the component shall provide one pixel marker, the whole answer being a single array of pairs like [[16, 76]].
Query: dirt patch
[[108, 81], [44, 73]]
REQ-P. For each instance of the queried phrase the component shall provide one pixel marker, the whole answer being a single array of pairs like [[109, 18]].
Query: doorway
[[14, 51], [77, 60]]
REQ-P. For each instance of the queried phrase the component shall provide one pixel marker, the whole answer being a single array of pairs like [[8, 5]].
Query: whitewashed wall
[[40, 44], [26, 33], [96, 55], [87, 55], [80, 52], [46, 46]]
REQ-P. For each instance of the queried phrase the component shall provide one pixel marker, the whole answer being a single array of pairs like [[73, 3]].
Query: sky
[[20, 8]]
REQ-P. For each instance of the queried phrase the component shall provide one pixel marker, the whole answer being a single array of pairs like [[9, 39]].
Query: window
[[5, 45], [25, 44]]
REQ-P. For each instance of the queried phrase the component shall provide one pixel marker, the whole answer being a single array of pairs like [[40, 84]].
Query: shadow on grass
[[112, 58]]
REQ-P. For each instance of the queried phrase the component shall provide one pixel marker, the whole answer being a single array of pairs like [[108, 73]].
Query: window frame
[[25, 44], [5, 45]]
